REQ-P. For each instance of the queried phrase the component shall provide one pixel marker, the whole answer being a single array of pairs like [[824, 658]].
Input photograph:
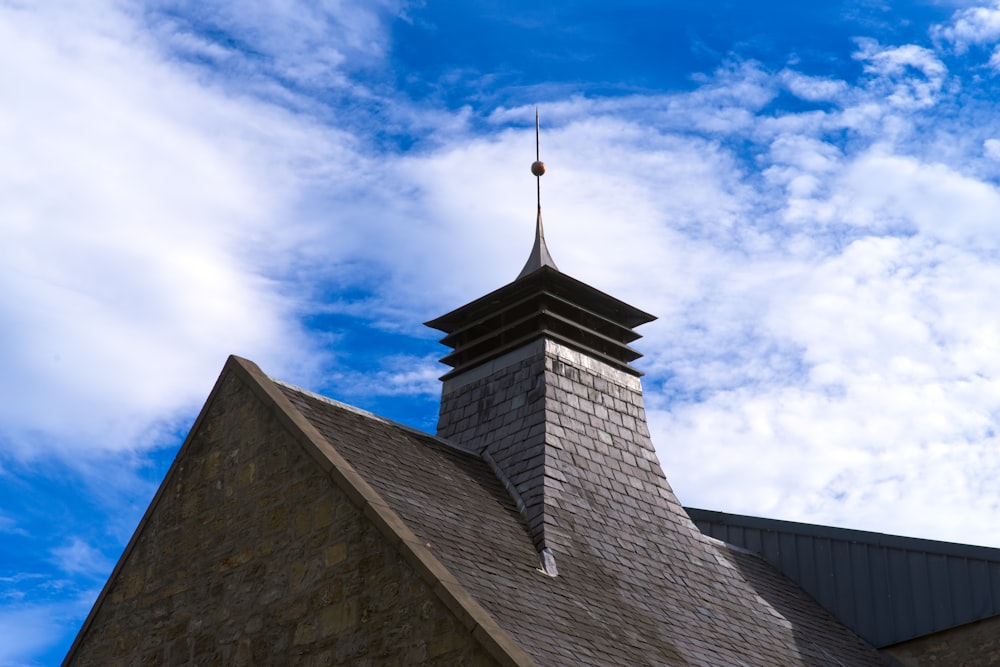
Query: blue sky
[[806, 194]]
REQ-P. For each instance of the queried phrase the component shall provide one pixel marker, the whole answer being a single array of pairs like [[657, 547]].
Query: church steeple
[[542, 387]]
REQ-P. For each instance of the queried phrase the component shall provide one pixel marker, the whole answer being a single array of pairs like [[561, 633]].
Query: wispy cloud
[[9, 524], [76, 557], [310, 44], [27, 630], [398, 375], [137, 207], [909, 76], [39, 611]]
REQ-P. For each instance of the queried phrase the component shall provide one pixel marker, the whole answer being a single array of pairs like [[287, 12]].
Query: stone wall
[[969, 645], [250, 555]]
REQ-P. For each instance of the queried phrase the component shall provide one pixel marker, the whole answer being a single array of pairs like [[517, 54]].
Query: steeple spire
[[541, 384], [539, 256], [542, 302]]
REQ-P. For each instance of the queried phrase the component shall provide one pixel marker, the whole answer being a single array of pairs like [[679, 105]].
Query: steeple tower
[[543, 389]]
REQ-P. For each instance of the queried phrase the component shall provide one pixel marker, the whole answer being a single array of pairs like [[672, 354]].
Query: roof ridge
[[451, 444], [869, 537]]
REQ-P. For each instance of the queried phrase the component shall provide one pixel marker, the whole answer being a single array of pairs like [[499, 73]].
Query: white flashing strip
[[593, 365], [548, 562], [550, 347]]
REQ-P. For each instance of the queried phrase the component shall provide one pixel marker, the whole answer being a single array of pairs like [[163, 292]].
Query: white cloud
[[991, 148], [893, 400], [307, 43], [911, 76], [813, 88], [883, 192], [723, 103], [79, 558], [137, 234], [400, 375], [802, 165], [970, 27], [886, 380]]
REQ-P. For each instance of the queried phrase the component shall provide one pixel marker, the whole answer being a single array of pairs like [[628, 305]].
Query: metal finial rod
[[537, 158], [538, 167]]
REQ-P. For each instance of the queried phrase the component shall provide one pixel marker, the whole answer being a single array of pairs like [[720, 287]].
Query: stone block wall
[[970, 645], [251, 555]]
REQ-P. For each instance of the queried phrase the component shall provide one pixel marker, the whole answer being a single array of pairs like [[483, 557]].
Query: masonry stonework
[[250, 555], [970, 645]]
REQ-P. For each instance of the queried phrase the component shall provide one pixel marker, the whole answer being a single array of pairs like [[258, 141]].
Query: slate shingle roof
[[657, 595]]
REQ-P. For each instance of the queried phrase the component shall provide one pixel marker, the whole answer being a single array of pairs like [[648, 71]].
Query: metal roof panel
[[886, 588]]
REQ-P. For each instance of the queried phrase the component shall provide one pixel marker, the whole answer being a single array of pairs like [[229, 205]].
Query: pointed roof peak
[[539, 256]]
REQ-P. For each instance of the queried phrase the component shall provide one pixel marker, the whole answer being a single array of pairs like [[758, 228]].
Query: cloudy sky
[[806, 194]]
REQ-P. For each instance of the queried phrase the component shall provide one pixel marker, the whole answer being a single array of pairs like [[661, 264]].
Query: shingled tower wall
[[566, 430], [252, 555], [499, 410]]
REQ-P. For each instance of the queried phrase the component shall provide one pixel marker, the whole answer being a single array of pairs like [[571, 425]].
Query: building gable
[[259, 549]]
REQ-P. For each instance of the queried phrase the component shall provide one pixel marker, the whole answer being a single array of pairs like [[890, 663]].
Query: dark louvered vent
[[546, 303]]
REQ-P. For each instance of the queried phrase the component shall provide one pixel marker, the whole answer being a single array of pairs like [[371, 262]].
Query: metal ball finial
[[537, 167]]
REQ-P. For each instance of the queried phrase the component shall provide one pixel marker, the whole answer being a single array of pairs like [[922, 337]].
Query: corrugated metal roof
[[886, 588]]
